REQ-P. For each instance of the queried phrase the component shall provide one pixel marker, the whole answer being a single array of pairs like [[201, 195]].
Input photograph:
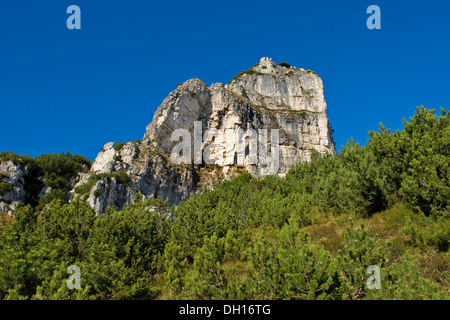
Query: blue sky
[[75, 90]]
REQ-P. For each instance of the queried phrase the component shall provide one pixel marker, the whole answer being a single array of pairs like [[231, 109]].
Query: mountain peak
[[264, 121]]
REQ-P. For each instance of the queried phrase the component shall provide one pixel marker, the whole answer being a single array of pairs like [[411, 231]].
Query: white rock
[[105, 159]]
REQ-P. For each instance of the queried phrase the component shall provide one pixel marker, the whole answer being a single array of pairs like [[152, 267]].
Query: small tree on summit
[[284, 64]]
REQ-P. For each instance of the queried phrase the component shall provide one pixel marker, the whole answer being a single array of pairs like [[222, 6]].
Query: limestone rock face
[[14, 175], [266, 97], [105, 159], [265, 120]]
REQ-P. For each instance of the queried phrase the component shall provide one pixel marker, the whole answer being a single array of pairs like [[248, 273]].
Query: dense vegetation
[[52, 171], [310, 235]]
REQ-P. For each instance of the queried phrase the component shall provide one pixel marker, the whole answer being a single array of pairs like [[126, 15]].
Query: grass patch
[[119, 145], [249, 71]]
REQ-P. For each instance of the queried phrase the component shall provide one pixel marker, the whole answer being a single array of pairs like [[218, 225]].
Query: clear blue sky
[[75, 90]]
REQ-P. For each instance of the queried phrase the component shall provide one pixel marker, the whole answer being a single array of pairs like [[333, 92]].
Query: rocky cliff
[[266, 119], [263, 121]]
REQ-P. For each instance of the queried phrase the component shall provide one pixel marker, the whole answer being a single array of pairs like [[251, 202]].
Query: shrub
[[412, 164], [249, 71], [295, 269], [360, 251], [208, 278], [438, 235], [403, 281], [57, 169], [284, 64], [15, 158], [55, 194], [86, 187], [97, 192], [123, 177]]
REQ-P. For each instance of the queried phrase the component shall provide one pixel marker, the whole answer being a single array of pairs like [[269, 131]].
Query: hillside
[[309, 234]]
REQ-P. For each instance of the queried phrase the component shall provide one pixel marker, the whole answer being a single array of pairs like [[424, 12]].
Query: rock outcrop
[[265, 120], [12, 192]]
